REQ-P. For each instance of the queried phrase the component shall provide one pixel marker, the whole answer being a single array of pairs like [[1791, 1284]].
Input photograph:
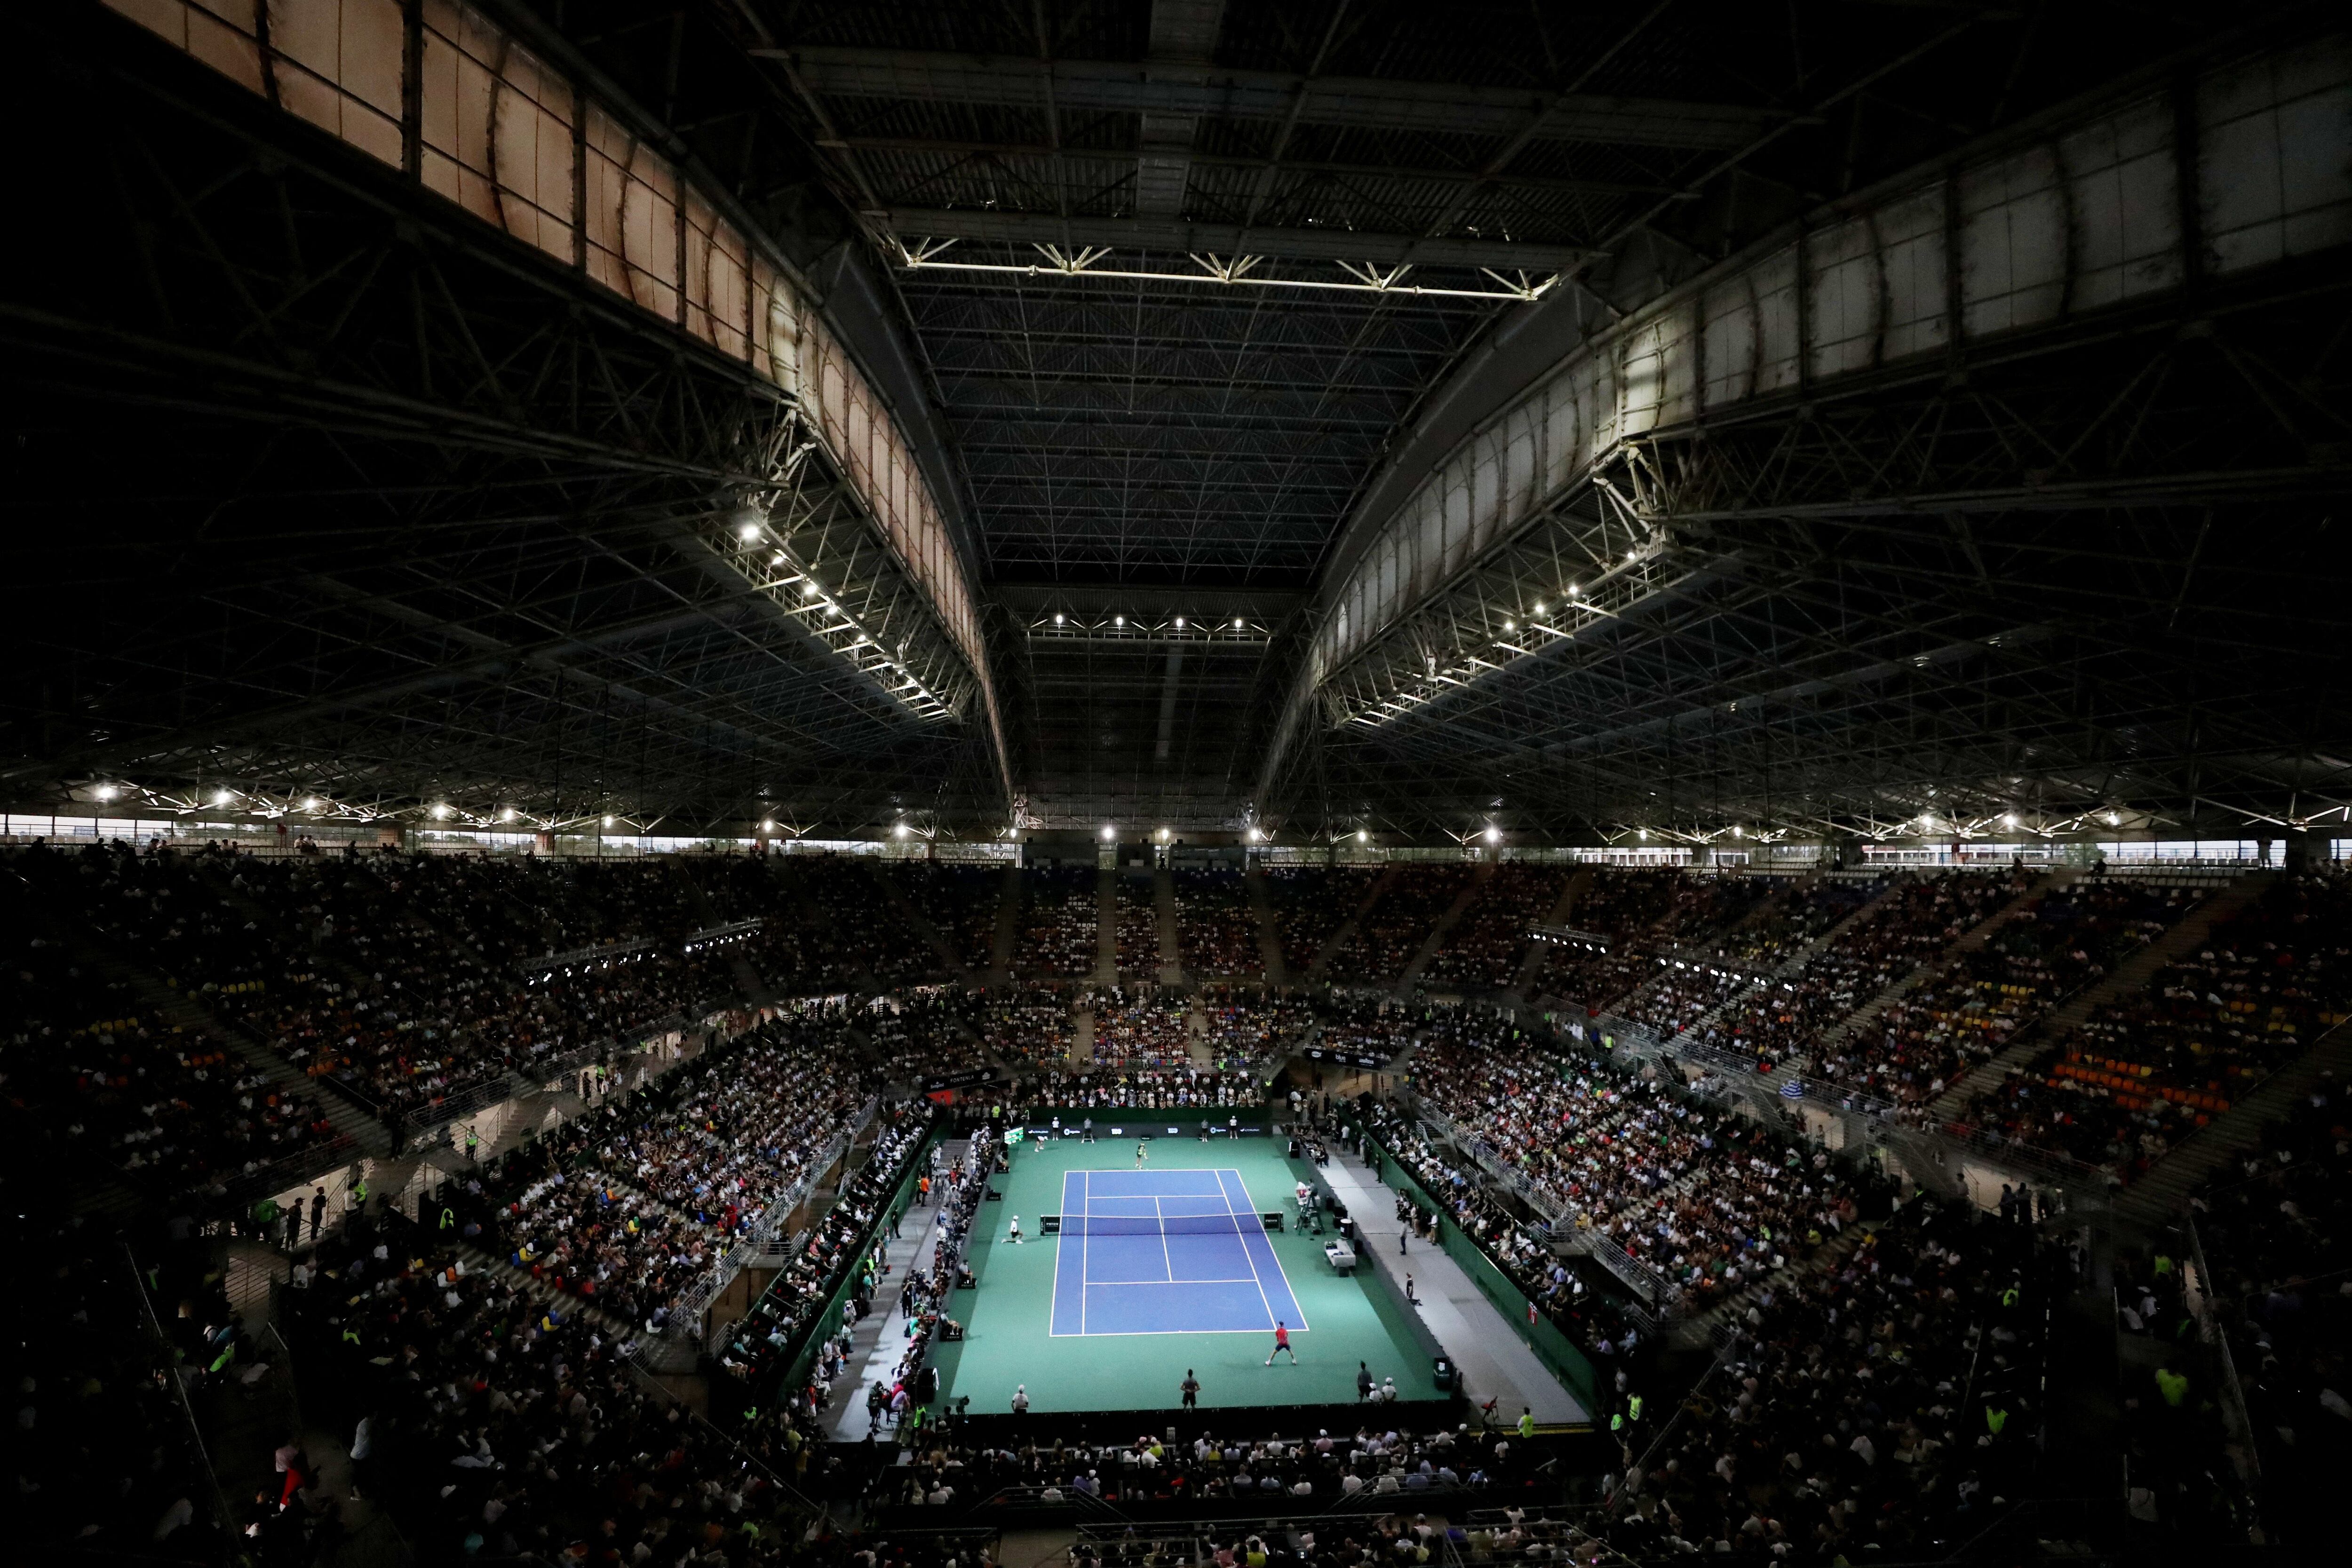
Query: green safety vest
[[1995, 1419], [1633, 1407], [2173, 1385]]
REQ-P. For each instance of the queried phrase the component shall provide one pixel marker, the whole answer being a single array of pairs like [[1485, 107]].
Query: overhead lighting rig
[[1216, 271]]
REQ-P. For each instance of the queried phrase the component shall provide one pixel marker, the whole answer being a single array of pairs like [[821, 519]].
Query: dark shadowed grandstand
[[1173, 783]]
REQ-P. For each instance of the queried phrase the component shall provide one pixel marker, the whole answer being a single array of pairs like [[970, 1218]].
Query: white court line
[[1262, 1296], [1085, 1206], [1103, 1284], [1166, 1260]]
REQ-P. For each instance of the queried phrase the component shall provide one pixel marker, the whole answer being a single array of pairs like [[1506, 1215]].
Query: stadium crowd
[[1216, 930], [1484, 953], [2147, 1070], [1137, 933], [1060, 923]]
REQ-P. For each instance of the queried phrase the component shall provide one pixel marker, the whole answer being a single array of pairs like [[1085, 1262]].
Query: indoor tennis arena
[[1173, 783]]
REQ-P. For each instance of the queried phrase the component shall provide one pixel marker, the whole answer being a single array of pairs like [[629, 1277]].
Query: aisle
[[879, 1339], [1496, 1362]]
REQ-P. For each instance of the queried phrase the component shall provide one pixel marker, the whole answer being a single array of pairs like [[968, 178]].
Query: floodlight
[[1363, 837], [1237, 623], [1057, 617], [748, 530], [608, 822], [440, 811], [1118, 620], [1110, 831], [106, 792], [901, 830], [1494, 836], [1180, 623]]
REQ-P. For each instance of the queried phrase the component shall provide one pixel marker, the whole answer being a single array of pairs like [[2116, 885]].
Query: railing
[[2235, 1415], [1512, 1179], [697, 1298], [1655, 1295], [599, 953], [173, 1371], [722, 933], [411, 1125], [292, 1169]]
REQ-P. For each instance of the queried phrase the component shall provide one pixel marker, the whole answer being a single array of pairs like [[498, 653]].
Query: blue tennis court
[[1166, 1252]]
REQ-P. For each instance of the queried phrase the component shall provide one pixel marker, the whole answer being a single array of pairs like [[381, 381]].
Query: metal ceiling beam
[[1359, 103], [1184, 237]]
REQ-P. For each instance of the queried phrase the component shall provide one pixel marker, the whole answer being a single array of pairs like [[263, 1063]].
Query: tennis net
[[1159, 1224]]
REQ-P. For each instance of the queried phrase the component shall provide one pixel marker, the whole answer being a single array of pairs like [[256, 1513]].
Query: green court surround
[[1008, 1317]]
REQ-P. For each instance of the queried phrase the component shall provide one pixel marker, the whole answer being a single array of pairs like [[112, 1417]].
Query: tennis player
[[1282, 1346], [1139, 1155]]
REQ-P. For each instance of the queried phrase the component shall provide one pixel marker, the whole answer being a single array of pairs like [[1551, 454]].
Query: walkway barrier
[[1561, 1358]]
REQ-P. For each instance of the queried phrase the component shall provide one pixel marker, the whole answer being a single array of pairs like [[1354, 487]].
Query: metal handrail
[[178, 1388], [2236, 1414]]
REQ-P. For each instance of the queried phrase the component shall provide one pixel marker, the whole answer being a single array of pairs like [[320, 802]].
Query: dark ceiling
[[236, 583]]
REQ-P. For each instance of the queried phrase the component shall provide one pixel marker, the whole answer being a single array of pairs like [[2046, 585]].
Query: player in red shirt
[[1282, 1346]]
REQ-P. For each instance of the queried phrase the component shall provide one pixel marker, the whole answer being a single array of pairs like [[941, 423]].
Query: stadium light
[[106, 792], [1363, 837], [1180, 623], [506, 816], [221, 797], [1110, 831], [1118, 620], [767, 827], [2009, 819], [608, 822], [901, 830], [1494, 836], [2115, 819], [1058, 618], [440, 811], [750, 531]]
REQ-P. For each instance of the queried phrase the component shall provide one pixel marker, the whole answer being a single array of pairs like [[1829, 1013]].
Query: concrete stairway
[[2156, 1197], [1107, 925], [753, 986], [809, 917], [175, 1009], [1562, 907], [2132, 974], [1008, 928], [918, 922], [1346, 932], [1163, 906], [1269, 930], [1464, 903], [1969, 941]]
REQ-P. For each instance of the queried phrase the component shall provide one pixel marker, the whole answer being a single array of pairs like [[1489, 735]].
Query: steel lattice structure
[[325, 487]]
